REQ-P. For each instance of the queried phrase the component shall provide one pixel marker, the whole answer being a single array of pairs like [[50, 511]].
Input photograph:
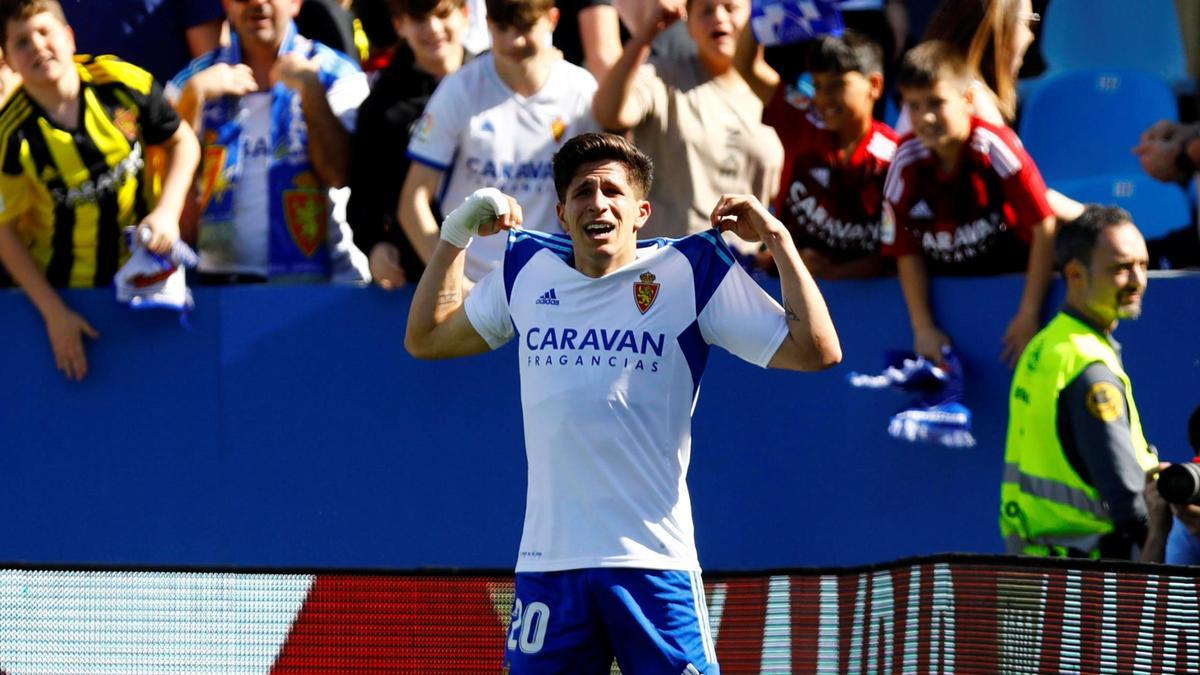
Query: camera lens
[[1180, 483]]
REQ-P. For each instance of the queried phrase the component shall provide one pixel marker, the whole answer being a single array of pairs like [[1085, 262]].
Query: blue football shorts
[[654, 622]]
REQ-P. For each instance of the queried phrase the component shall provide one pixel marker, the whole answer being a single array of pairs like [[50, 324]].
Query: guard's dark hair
[[852, 52], [596, 147], [1077, 239]]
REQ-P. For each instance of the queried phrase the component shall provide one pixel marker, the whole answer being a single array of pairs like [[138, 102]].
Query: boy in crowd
[[962, 197], [835, 154], [73, 137], [497, 122], [694, 114], [431, 48]]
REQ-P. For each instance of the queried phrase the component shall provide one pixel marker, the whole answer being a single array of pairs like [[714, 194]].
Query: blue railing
[[288, 427]]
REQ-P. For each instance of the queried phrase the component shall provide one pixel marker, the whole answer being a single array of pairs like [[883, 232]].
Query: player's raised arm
[[438, 327], [812, 342]]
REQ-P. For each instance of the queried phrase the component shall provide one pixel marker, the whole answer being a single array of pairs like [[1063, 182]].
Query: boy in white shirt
[[496, 123]]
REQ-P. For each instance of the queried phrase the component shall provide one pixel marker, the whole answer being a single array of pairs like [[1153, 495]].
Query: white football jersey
[[610, 369], [482, 134]]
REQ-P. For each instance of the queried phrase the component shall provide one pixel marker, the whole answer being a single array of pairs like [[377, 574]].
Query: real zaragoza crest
[[645, 292]]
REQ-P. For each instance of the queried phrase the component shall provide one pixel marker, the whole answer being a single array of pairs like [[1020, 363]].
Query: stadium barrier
[[288, 428], [950, 613]]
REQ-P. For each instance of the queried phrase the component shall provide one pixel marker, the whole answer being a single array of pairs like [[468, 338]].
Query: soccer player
[[73, 137], [496, 122], [835, 154], [613, 336], [962, 197]]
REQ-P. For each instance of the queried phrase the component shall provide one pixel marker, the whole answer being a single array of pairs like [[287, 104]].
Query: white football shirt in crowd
[[483, 134]]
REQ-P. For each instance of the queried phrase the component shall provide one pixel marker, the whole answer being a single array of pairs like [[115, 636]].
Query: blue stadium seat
[[1085, 123], [1157, 208], [1135, 34]]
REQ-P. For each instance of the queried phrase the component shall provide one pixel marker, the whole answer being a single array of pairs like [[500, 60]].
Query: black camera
[[1180, 483]]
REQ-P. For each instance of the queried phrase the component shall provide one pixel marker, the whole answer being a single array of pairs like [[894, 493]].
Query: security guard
[[1076, 459]]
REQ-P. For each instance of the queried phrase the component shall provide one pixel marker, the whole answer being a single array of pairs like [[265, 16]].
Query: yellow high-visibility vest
[[1046, 508]]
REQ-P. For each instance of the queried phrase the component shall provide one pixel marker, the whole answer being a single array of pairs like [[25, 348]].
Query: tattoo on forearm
[[447, 297], [789, 312]]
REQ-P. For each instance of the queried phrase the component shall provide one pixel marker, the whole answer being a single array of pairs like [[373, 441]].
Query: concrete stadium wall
[[288, 427]]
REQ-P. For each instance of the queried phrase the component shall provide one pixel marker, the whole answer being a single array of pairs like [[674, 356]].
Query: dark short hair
[[597, 147], [419, 9], [519, 13], [851, 53], [15, 10], [1077, 239], [931, 62]]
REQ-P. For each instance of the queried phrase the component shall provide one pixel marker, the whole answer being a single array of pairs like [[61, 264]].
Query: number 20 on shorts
[[528, 630]]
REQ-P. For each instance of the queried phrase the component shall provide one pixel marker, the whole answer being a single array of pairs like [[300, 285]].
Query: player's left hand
[[295, 71], [163, 231], [505, 221], [1020, 331], [746, 217]]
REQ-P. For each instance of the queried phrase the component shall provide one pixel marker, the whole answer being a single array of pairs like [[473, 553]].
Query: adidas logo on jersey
[[921, 210], [548, 298]]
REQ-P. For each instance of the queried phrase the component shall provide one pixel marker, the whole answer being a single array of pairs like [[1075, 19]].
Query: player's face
[[602, 213], [261, 22], [1116, 277], [715, 25], [40, 48], [435, 36], [941, 114], [520, 43], [845, 101]]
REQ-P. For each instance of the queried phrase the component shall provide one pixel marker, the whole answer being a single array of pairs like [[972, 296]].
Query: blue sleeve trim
[[522, 246], [695, 351], [427, 161], [711, 260], [196, 65]]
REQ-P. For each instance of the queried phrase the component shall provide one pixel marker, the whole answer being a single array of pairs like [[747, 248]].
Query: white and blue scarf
[[298, 241]]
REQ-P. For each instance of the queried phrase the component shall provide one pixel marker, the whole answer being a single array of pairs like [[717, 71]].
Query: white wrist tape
[[463, 222]]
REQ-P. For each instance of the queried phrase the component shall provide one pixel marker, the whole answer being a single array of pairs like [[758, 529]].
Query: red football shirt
[[828, 205], [977, 219]]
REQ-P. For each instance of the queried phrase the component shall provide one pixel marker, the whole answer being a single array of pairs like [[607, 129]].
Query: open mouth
[[598, 229]]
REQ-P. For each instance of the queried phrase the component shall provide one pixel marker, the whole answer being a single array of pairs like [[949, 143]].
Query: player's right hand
[[66, 330], [513, 217]]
